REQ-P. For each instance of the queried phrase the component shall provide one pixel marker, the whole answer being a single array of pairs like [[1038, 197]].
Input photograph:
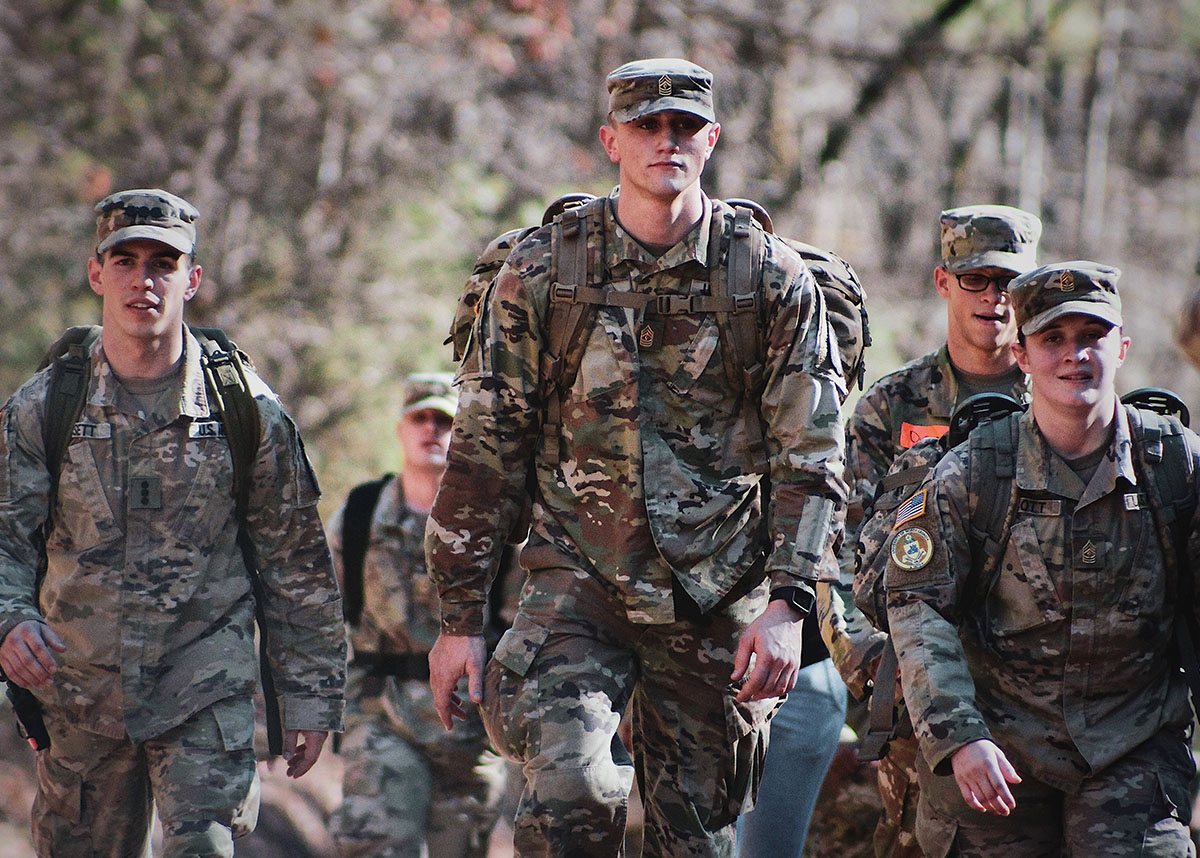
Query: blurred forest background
[[350, 159]]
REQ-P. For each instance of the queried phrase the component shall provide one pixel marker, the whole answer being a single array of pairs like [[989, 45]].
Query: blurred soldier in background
[[408, 785]]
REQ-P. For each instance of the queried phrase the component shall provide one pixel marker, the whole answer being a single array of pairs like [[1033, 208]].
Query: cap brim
[[1105, 312], [169, 237], [444, 404], [658, 105], [1018, 262]]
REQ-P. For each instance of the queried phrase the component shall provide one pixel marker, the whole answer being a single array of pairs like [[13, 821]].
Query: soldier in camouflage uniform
[[140, 644], [652, 555], [1048, 701], [982, 248], [408, 783]]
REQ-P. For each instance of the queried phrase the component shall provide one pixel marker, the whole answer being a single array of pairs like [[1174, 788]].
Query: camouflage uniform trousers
[[97, 796], [401, 797], [896, 834], [553, 699], [1138, 806]]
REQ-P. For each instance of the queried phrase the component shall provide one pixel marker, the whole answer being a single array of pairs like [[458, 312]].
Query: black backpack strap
[[356, 535], [1165, 465], [994, 495], [233, 402], [70, 367]]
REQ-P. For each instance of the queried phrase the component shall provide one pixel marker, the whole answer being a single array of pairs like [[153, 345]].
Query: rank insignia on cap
[[1066, 281], [912, 549], [664, 85], [912, 508]]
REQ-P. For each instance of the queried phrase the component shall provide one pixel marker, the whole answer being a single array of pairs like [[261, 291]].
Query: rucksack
[[1162, 461], [578, 287], [224, 366]]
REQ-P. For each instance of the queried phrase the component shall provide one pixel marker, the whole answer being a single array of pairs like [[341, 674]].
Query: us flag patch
[[912, 508]]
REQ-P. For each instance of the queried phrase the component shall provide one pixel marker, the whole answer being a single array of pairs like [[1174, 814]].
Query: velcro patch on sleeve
[[912, 508], [912, 549]]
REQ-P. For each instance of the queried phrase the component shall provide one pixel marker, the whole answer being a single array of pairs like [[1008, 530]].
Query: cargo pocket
[[746, 725], [510, 695], [235, 721], [60, 789]]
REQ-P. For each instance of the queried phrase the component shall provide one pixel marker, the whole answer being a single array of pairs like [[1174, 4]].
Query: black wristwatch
[[800, 600]]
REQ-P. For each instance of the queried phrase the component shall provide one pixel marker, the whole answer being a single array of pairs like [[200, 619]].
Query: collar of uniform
[[1038, 468], [193, 398], [626, 255]]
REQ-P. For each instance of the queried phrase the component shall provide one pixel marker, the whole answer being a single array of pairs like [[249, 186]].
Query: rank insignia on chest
[[1090, 552], [912, 549], [649, 335], [145, 492]]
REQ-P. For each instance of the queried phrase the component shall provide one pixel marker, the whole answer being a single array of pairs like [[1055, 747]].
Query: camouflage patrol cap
[[146, 213], [643, 87], [989, 237], [1040, 296], [430, 390]]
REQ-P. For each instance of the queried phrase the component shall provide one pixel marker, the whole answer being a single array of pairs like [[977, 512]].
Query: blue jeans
[[804, 737]]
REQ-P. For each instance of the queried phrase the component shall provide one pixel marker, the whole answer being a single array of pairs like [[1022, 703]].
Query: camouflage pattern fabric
[[655, 482], [408, 783], [654, 501], [94, 792], [554, 695], [1066, 685], [145, 581], [144, 523], [900, 409], [1131, 808]]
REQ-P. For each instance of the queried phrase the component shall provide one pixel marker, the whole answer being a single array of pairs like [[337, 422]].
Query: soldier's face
[[425, 438], [144, 285], [982, 321], [662, 154], [1073, 361]]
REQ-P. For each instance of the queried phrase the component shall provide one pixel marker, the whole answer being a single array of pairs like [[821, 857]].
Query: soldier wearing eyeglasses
[[983, 248]]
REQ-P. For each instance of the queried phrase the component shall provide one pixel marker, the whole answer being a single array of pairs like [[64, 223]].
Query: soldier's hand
[[983, 774], [26, 654], [453, 657], [301, 757], [774, 641]]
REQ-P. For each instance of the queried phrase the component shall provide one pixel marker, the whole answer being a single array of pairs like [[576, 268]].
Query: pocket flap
[[520, 644]]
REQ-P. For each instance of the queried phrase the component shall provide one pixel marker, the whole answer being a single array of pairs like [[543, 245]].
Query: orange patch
[[910, 434]]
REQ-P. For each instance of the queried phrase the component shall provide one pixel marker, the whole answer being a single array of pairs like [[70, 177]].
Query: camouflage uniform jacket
[[399, 617], [655, 478], [1067, 661], [899, 409], [145, 581]]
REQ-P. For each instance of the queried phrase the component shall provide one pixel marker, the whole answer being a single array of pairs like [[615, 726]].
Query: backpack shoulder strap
[[70, 364], [224, 368], [225, 376], [737, 282], [356, 534], [569, 315], [1164, 461], [993, 491]]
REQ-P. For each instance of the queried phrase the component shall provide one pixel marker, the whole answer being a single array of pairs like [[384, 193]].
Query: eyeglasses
[[973, 281], [440, 419]]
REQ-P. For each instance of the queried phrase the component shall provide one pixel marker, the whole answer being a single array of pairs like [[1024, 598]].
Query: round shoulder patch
[[912, 548]]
